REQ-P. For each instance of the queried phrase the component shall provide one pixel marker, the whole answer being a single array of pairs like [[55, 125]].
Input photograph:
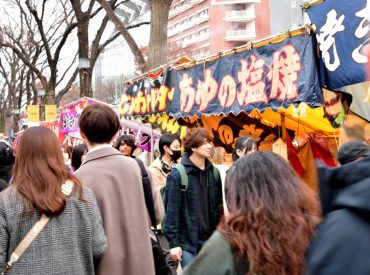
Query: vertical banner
[[342, 32], [33, 112], [50, 112]]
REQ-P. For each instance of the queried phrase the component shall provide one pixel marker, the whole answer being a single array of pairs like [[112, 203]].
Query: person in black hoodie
[[341, 245], [6, 164], [192, 214]]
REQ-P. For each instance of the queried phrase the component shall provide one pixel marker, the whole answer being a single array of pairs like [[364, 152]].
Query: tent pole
[[283, 127], [151, 144]]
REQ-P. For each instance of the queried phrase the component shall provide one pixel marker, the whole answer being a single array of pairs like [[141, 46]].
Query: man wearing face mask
[[169, 148], [192, 210]]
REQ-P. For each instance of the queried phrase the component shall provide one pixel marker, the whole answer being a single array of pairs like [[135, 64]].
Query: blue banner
[[342, 31], [271, 76]]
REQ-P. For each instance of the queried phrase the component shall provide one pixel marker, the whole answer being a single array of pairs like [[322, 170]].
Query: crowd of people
[[96, 219]]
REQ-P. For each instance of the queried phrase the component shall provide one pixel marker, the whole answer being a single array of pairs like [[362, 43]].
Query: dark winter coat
[[181, 222], [6, 166], [341, 245], [3, 184]]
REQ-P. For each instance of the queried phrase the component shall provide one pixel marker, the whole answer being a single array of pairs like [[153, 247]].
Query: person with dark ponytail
[[243, 146], [273, 216]]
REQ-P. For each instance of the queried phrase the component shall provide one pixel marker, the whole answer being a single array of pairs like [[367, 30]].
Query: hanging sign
[[342, 32], [33, 113], [50, 112], [272, 76]]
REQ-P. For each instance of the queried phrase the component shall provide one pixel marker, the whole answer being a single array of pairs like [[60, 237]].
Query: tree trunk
[[49, 97], [50, 86], [83, 52], [85, 82], [158, 33]]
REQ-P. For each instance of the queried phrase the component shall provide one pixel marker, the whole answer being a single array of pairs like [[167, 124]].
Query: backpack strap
[[183, 176], [216, 173], [148, 194]]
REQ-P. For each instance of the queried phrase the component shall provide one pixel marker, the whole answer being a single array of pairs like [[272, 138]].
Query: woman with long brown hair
[[73, 236], [273, 216]]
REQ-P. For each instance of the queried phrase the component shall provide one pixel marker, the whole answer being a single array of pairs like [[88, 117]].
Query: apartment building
[[198, 28]]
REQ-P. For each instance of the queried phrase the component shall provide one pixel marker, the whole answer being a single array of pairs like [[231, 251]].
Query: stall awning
[[301, 119], [265, 80]]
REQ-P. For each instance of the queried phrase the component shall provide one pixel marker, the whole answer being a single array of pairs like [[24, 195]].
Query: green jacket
[[215, 258]]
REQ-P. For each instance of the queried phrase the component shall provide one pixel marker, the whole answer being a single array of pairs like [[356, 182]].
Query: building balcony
[[176, 11], [184, 7], [239, 16], [240, 35], [186, 26], [232, 2], [195, 40]]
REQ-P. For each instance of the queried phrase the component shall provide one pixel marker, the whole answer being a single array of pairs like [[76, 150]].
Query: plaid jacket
[[68, 244], [181, 219]]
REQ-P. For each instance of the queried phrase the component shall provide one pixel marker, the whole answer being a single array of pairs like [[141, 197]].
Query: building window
[[204, 32], [203, 12]]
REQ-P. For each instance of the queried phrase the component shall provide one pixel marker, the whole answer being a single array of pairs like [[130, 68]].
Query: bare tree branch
[[67, 70], [24, 59], [114, 37], [41, 30], [67, 87], [122, 29]]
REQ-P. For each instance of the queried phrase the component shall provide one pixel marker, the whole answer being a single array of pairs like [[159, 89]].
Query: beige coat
[[157, 200], [157, 173], [117, 184]]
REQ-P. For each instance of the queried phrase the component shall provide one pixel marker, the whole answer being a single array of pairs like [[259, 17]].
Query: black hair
[[352, 150], [5, 150], [166, 140], [243, 144], [99, 123], [7, 160], [128, 139], [77, 154]]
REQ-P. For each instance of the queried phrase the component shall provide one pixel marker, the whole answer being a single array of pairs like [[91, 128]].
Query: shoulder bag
[[33, 233]]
